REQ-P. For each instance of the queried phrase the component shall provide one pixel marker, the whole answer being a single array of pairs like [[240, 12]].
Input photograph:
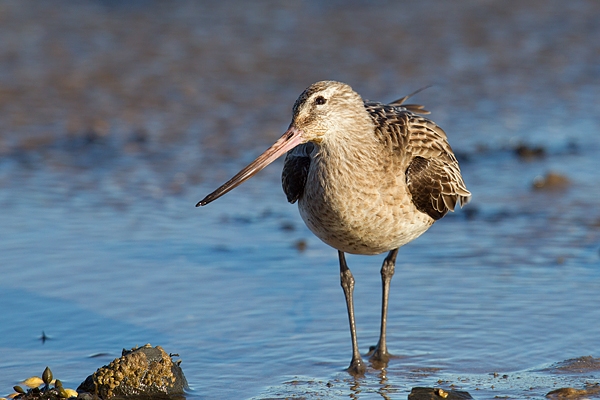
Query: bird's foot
[[357, 367], [378, 357]]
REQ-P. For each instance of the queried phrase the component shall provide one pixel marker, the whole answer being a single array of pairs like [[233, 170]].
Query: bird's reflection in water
[[385, 389]]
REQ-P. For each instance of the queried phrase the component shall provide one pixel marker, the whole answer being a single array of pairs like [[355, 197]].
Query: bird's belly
[[364, 224]]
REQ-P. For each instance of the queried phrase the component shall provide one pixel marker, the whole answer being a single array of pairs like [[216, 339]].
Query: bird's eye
[[320, 100]]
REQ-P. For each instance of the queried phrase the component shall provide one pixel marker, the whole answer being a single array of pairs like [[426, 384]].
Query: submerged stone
[[577, 365], [144, 371]]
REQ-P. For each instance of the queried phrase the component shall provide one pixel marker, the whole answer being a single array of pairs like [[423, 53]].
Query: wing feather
[[432, 172]]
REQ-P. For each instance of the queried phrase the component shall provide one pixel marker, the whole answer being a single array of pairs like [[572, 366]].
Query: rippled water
[[118, 119]]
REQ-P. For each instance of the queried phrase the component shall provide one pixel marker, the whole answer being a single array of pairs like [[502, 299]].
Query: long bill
[[290, 139]]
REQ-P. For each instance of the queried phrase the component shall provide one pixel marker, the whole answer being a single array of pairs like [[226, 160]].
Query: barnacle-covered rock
[[146, 371]]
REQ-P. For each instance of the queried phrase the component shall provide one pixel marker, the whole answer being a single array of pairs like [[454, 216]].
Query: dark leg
[[357, 366], [380, 356]]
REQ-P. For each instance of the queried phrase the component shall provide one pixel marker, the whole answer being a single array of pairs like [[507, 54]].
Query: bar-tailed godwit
[[368, 178]]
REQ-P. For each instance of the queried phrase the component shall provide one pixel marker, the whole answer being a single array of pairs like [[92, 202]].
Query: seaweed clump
[[45, 388]]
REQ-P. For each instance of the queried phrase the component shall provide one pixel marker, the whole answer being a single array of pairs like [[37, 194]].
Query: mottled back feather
[[432, 172]]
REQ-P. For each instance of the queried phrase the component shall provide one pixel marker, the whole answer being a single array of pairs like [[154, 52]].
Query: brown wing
[[433, 176], [432, 173], [295, 171]]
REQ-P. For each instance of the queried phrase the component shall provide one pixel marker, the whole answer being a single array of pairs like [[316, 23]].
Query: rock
[[145, 371], [529, 152], [425, 393], [552, 181], [300, 245], [572, 393]]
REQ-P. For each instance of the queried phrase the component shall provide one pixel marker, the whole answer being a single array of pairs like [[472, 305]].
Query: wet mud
[[117, 117]]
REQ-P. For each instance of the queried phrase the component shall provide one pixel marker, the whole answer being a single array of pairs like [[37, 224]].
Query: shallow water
[[118, 119]]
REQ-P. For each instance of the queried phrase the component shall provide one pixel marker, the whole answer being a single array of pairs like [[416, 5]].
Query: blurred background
[[117, 117]]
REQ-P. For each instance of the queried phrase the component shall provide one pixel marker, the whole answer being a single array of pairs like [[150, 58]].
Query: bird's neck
[[350, 152]]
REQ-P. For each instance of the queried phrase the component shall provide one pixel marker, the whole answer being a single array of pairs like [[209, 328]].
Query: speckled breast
[[360, 213]]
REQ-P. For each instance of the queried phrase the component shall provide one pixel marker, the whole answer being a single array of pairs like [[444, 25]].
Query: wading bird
[[368, 178]]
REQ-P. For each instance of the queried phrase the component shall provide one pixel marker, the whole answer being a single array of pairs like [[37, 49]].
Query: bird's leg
[[357, 366], [380, 356]]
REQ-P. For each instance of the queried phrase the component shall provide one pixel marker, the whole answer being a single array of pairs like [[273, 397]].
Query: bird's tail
[[416, 108]]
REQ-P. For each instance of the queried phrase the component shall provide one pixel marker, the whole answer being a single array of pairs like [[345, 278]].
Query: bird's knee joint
[[347, 280], [387, 270]]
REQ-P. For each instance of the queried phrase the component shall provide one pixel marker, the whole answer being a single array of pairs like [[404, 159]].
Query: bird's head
[[323, 110]]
